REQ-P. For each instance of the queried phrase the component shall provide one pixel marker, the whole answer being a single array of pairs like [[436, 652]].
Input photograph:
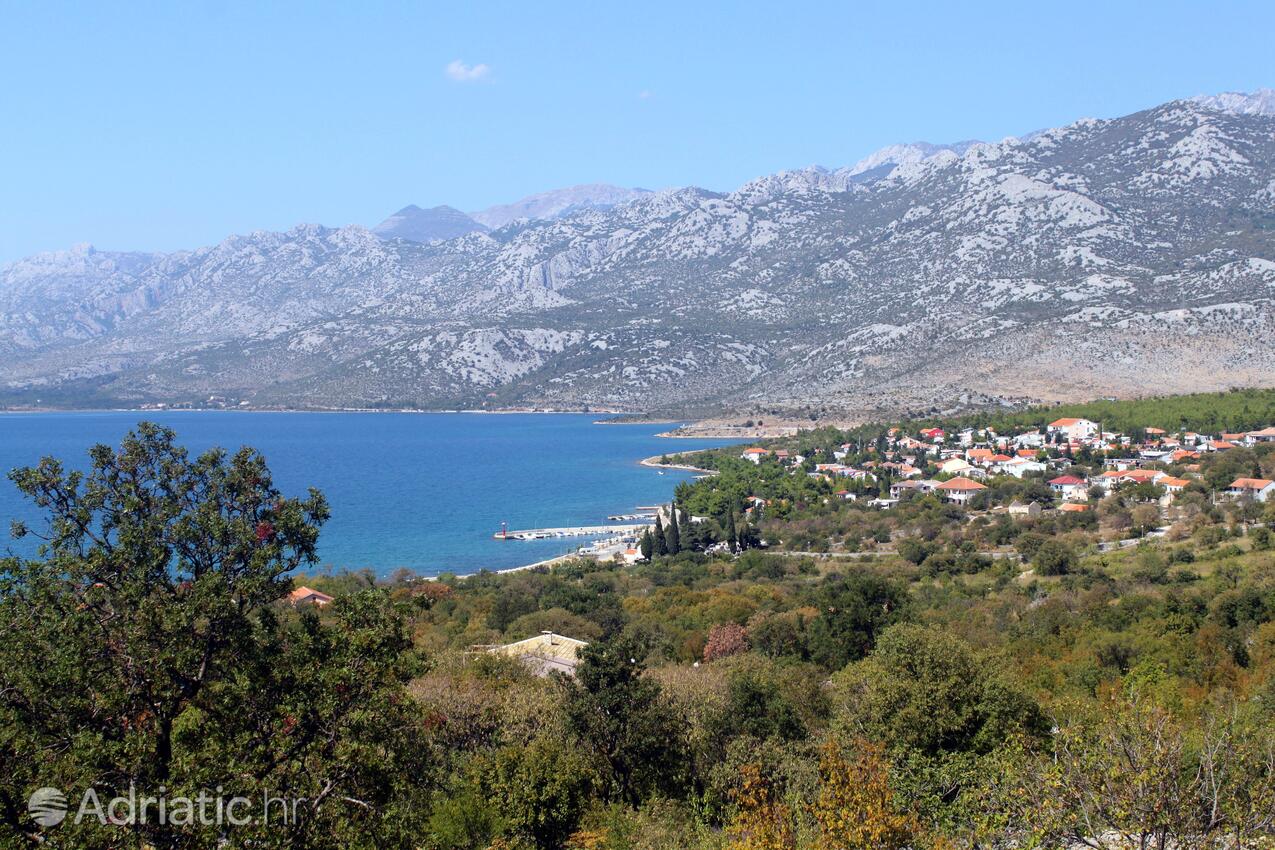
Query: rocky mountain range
[[1124, 256], [1260, 102], [557, 203], [443, 222]]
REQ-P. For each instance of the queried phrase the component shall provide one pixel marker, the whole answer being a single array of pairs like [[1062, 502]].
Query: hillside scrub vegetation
[[799, 670]]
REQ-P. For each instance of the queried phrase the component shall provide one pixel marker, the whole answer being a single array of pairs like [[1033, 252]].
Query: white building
[[1075, 429], [1259, 489], [1019, 466], [959, 490]]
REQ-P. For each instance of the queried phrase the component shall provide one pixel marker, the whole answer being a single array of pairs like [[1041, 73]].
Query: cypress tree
[[661, 548], [732, 537], [684, 533], [673, 537], [647, 546]]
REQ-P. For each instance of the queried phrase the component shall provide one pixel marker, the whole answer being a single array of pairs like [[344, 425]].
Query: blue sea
[[425, 491]]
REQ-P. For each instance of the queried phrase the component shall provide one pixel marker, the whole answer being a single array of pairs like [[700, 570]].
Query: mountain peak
[[417, 224]]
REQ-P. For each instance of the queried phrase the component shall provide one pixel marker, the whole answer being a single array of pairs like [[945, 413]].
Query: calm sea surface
[[422, 491]]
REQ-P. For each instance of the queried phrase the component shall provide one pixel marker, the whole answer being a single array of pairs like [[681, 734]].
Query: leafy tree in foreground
[[542, 789], [941, 711], [622, 717], [763, 821], [856, 809], [1054, 558], [1128, 773], [755, 706], [852, 611], [927, 691], [142, 650]]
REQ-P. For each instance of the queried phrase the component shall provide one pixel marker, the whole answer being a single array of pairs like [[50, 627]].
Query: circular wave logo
[[47, 806]]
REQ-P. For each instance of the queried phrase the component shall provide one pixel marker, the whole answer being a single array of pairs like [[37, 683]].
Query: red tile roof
[[306, 594], [961, 485]]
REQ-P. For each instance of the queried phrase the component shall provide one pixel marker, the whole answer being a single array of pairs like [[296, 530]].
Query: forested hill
[[1206, 413]]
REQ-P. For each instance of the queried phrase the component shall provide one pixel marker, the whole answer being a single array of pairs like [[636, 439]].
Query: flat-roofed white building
[[545, 653]]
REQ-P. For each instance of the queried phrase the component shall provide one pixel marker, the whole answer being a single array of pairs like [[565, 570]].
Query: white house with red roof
[[1070, 487], [959, 490], [1074, 428], [1172, 487], [1258, 489], [1266, 435], [1114, 477]]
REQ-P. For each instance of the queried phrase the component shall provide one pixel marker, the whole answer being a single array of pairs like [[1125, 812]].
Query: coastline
[[653, 462], [414, 410], [708, 429], [471, 569], [547, 562]]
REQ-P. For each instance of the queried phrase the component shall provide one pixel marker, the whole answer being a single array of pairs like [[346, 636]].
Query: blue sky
[[166, 125]]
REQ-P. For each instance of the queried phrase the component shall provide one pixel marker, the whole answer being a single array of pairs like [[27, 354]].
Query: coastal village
[[957, 467], [1069, 466], [1065, 467]]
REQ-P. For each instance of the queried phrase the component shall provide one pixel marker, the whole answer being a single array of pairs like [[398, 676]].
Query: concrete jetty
[[572, 531]]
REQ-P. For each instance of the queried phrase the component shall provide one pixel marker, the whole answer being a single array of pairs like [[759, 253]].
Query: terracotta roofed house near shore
[[308, 596]]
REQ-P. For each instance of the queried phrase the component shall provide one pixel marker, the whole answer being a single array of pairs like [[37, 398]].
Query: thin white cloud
[[646, 94], [460, 72]]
